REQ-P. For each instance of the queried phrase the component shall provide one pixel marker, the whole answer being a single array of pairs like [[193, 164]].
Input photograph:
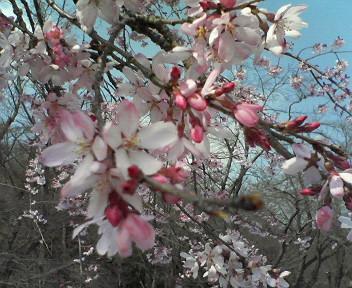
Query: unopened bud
[[175, 74], [228, 3], [134, 171], [228, 87], [197, 102], [180, 101], [206, 5], [296, 122], [197, 133], [311, 191], [130, 186], [310, 127]]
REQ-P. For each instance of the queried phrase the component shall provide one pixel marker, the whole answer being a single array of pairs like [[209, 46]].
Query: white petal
[[79, 229], [148, 164], [214, 35], [346, 222], [188, 87], [98, 201], [100, 149], [87, 14], [134, 200], [302, 150], [336, 186], [107, 10], [158, 135], [294, 165], [81, 180], [347, 177], [349, 236], [122, 162], [59, 154], [112, 135], [311, 176], [128, 117], [285, 274]]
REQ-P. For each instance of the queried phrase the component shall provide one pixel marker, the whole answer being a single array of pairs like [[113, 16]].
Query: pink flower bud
[[197, 102], [54, 35], [256, 137], [134, 171], [310, 127], [246, 114], [228, 87], [130, 186], [219, 92], [324, 218], [206, 5], [197, 133], [180, 101], [296, 122], [228, 3], [175, 74], [311, 191]]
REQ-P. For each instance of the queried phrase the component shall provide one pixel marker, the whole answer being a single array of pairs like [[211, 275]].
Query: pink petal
[[140, 231], [197, 102], [71, 130], [246, 117], [124, 242], [59, 154], [225, 50], [85, 124]]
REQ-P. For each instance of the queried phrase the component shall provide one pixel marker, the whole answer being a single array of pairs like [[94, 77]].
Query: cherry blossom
[[88, 11], [286, 23], [304, 161], [79, 131]]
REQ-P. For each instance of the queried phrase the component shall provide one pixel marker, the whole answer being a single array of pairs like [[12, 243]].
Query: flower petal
[[336, 186], [294, 165], [148, 164], [99, 148], [112, 135], [158, 135], [59, 154]]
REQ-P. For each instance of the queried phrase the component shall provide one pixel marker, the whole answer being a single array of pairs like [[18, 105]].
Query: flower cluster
[[231, 263]]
